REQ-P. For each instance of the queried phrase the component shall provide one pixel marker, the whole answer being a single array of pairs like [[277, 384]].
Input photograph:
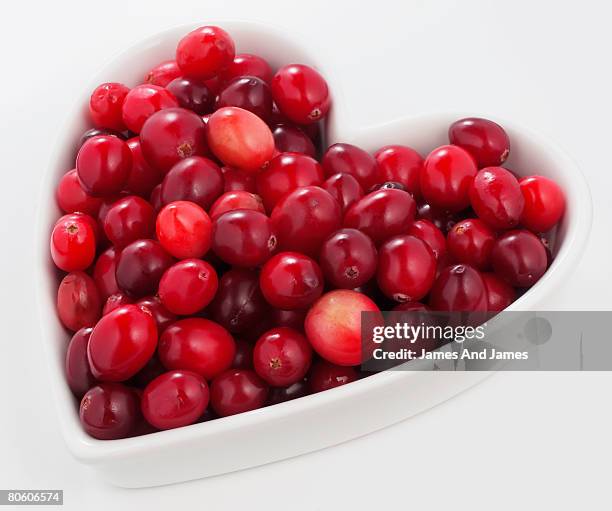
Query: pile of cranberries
[[214, 264]]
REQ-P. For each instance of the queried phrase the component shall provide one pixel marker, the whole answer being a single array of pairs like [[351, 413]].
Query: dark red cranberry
[[485, 140], [188, 286], [78, 373], [243, 358], [247, 92], [544, 203], [152, 369], [104, 273], [443, 220], [496, 198], [289, 318], [155, 198], [163, 73], [470, 242], [184, 229], [103, 165], [96, 132], [459, 288], [291, 139], [162, 316], [115, 301], [344, 188], [237, 180], [230, 201], [237, 391], [205, 52], [105, 105], [430, 234], [246, 64], [140, 266], [350, 159], [401, 164], [109, 411], [499, 294], [192, 95], [71, 197], [388, 185], [519, 257], [325, 376], [129, 219], [143, 177], [282, 394], [73, 242], [142, 102]]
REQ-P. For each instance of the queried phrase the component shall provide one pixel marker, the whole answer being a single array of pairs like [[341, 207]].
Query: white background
[[517, 441]]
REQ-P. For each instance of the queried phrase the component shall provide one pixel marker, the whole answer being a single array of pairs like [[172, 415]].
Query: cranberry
[[519, 257], [282, 356], [140, 266], [348, 258], [162, 316], [430, 234], [282, 394], [401, 164], [289, 318], [406, 268], [382, 214], [333, 326], [442, 219], [115, 301], [103, 165], [171, 135], [78, 301], [143, 178], [192, 95], [325, 376], [184, 229], [152, 369], [73, 242], [496, 198], [175, 399], [291, 281], [388, 185], [239, 304], [72, 198], [245, 64], [105, 105], [243, 358], [470, 242], [459, 288], [243, 238], [78, 373], [109, 411], [446, 177], [129, 219], [237, 391], [304, 218], [344, 188], [236, 180], [188, 286], [104, 273], [499, 294], [96, 132], [240, 139], [121, 343], [291, 139], [301, 93], [240, 199], [247, 92], [204, 52], [485, 140], [544, 203], [350, 159], [155, 198], [163, 73], [142, 102]]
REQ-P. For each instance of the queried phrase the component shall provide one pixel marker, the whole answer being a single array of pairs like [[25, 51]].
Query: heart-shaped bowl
[[316, 421]]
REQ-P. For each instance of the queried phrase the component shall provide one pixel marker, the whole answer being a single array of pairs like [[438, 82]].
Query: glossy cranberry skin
[[430, 234], [350, 159], [73, 242], [325, 376], [184, 229], [382, 214], [344, 188], [544, 203], [163, 73], [140, 266], [406, 268], [204, 52], [291, 281], [240, 139], [333, 326], [282, 357], [192, 95], [485, 140], [289, 318], [78, 373], [401, 164], [291, 139], [129, 219], [142, 102], [78, 301], [237, 180], [109, 411], [240, 199], [283, 394], [519, 257], [72, 198], [246, 64], [247, 92], [171, 135], [499, 294], [243, 238], [104, 273], [459, 288], [174, 399], [188, 286], [121, 343], [162, 316], [103, 165], [496, 198], [301, 93], [470, 242], [237, 391], [105, 105], [304, 218], [348, 258], [115, 301], [143, 177]]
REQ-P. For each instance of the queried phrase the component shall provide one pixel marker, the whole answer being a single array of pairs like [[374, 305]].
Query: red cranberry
[[240, 199], [162, 316], [470, 242], [140, 266], [301, 93], [109, 411], [175, 399], [121, 343], [401, 164], [282, 357], [519, 257], [237, 391], [243, 358], [348, 258], [105, 105], [544, 203], [292, 318], [446, 177], [188, 286], [184, 229], [104, 273], [430, 234], [163, 73], [142, 102], [499, 294], [304, 218], [344, 188], [72, 198], [496, 198], [103, 165], [192, 95], [236, 180], [459, 288], [246, 64], [350, 159], [240, 139], [325, 376], [73, 242], [485, 140], [115, 301], [78, 373], [129, 219], [247, 92], [291, 281], [204, 52], [291, 139], [382, 214], [282, 394], [143, 178], [171, 135], [78, 301]]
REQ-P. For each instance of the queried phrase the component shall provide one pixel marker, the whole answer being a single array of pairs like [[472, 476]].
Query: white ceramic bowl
[[312, 422]]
